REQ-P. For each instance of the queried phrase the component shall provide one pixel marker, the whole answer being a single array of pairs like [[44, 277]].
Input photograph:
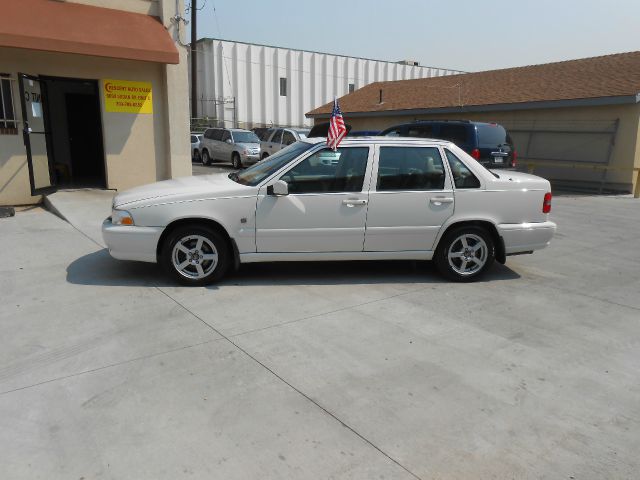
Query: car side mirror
[[279, 189]]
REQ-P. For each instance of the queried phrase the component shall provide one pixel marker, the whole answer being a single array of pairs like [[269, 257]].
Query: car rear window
[[491, 135]]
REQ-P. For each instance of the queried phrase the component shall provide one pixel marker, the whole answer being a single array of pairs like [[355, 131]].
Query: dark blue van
[[489, 143]]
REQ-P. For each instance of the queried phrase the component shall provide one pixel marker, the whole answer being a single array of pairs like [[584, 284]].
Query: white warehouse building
[[247, 85]]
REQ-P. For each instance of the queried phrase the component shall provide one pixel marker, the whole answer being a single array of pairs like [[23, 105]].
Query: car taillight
[[514, 157], [475, 153], [546, 203]]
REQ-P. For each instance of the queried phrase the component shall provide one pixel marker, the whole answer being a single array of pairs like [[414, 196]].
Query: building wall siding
[[251, 74]]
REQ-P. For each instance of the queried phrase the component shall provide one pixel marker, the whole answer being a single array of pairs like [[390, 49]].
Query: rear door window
[[462, 176], [410, 168], [492, 135], [216, 135], [420, 131], [226, 135], [288, 138], [457, 134], [395, 131], [277, 137]]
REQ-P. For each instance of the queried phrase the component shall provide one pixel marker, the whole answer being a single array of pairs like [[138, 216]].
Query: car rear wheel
[[196, 156], [206, 160], [264, 155], [195, 255], [465, 253], [235, 161]]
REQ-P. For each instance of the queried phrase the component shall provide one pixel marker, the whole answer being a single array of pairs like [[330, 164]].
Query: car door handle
[[352, 202], [441, 200]]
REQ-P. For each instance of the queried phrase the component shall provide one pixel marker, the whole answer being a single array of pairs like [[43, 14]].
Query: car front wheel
[[465, 253], [206, 160], [235, 161], [195, 255]]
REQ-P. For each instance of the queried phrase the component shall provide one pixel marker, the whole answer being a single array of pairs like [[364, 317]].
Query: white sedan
[[375, 198]]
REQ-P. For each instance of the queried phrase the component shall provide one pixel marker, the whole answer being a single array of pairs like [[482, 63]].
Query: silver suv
[[275, 139], [240, 147]]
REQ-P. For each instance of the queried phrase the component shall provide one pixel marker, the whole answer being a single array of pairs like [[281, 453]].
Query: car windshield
[[302, 133], [261, 170], [245, 137]]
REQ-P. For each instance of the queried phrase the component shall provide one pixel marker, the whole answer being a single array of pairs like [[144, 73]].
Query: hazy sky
[[461, 34]]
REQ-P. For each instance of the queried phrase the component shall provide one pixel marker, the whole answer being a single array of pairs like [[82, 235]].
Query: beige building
[[575, 122], [93, 93]]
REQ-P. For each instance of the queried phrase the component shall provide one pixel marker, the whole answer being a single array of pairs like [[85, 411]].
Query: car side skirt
[[335, 256]]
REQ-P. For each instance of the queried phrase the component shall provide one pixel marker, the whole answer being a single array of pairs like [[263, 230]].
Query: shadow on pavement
[[99, 268]]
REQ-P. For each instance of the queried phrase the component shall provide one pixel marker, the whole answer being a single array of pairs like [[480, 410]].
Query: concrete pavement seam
[[104, 367], [295, 389], [276, 325]]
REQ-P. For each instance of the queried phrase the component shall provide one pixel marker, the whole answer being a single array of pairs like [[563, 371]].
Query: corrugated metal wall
[[251, 73]]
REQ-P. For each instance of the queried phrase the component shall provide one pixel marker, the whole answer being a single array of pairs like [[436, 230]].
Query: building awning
[[56, 26]]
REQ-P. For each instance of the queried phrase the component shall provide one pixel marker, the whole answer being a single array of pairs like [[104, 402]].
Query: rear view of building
[[90, 96], [576, 122]]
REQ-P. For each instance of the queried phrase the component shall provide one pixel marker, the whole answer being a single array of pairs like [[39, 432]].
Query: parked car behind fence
[[240, 147], [276, 139]]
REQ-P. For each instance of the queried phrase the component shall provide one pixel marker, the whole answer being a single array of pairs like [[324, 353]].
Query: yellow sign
[[128, 97]]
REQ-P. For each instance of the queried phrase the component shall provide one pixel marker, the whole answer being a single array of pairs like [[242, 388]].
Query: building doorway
[[62, 133], [76, 132]]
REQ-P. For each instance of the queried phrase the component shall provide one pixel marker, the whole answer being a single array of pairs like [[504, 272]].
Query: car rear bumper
[[129, 242], [526, 237]]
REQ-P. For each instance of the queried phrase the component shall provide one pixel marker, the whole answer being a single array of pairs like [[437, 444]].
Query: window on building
[[8, 122], [410, 168], [352, 87], [283, 86]]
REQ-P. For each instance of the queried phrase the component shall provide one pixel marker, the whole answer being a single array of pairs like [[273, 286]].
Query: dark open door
[[36, 134]]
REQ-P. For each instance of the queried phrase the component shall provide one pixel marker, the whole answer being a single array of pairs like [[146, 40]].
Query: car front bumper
[[130, 242], [249, 159], [526, 237]]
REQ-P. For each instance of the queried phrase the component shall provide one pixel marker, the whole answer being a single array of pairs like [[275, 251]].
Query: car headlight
[[121, 217]]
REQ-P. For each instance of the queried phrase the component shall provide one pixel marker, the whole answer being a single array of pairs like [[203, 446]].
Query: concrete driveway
[[336, 370]]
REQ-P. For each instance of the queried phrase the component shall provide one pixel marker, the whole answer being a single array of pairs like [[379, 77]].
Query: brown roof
[[607, 76], [74, 28]]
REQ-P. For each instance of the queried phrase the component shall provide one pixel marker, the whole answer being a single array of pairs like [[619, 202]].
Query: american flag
[[337, 130]]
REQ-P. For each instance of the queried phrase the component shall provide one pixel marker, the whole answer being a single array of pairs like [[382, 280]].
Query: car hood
[[180, 189]]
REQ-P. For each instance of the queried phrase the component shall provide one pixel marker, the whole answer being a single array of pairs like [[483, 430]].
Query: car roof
[[381, 139]]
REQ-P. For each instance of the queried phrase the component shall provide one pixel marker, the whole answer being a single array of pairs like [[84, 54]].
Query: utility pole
[[194, 62]]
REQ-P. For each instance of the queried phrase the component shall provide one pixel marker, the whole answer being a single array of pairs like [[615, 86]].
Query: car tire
[[465, 253], [196, 156], [235, 161], [206, 160], [195, 255], [264, 155]]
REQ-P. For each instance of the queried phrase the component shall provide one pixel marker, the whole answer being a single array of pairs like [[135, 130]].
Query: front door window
[[327, 171]]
